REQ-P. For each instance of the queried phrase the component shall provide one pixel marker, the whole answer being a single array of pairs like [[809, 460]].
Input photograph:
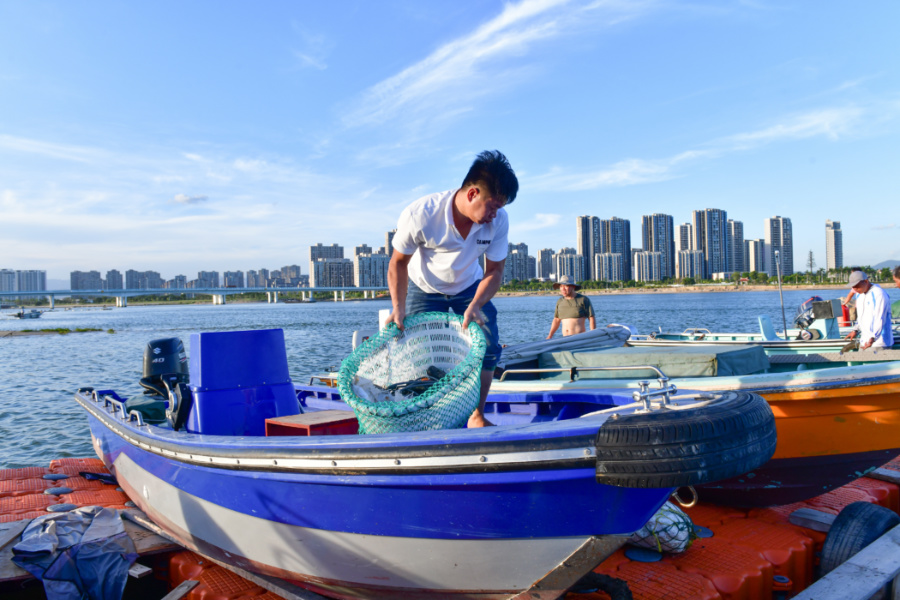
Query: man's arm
[[554, 326], [398, 284], [493, 275], [593, 321]]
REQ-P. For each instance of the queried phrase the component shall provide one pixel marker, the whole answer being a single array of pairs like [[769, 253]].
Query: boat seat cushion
[[674, 361]]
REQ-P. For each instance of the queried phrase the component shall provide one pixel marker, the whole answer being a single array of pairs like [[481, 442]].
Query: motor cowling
[[164, 361]]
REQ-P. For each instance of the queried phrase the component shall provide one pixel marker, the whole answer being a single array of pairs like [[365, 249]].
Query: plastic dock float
[[746, 554]]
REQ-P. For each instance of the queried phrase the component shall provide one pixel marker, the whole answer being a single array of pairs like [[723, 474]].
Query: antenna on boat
[[780, 295]]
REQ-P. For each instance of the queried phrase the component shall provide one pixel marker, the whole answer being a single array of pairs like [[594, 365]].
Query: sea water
[[39, 420]]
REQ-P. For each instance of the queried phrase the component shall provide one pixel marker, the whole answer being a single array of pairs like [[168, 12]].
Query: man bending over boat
[[439, 239], [572, 309], [873, 307]]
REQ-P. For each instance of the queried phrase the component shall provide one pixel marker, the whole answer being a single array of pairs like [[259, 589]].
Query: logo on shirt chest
[[482, 242]]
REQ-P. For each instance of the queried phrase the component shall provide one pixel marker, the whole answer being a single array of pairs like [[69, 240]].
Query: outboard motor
[[805, 317], [166, 375]]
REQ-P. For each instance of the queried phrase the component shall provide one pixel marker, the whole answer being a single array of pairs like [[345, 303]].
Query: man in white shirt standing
[[439, 239], [873, 308]]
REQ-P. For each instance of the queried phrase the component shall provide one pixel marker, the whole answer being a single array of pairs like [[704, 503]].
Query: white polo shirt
[[873, 311], [442, 261]]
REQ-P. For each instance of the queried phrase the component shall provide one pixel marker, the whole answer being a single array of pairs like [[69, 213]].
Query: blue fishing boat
[[520, 510]]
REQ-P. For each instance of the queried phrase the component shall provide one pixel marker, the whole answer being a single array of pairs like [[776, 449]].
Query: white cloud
[[831, 123], [49, 150], [185, 199], [315, 49], [538, 221]]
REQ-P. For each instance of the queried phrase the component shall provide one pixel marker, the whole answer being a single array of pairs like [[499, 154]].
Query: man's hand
[[473, 313], [396, 317], [851, 335], [867, 344]]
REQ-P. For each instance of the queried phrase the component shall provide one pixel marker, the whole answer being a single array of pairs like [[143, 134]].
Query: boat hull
[[473, 533], [834, 425]]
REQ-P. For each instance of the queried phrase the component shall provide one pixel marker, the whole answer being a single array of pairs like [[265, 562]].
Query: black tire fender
[[728, 434], [616, 589], [858, 525]]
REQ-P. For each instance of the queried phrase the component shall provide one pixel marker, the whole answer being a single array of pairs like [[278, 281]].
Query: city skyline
[[704, 246], [149, 136]]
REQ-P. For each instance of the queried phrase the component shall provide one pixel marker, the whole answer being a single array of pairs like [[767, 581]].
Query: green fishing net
[[432, 339]]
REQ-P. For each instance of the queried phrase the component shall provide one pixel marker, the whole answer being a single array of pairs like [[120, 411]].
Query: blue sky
[[188, 136]]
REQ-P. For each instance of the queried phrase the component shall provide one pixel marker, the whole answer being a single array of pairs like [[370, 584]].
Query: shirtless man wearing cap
[[572, 309]]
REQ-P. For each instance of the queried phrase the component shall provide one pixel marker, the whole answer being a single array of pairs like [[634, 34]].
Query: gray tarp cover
[[674, 361], [81, 554], [602, 337]]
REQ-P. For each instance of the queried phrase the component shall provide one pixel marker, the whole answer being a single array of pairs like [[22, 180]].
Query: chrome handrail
[[643, 395]]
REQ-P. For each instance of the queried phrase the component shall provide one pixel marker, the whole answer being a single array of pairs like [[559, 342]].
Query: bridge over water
[[218, 294]]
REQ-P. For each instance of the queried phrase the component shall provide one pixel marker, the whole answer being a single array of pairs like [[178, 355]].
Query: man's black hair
[[896, 272], [854, 269], [492, 168]]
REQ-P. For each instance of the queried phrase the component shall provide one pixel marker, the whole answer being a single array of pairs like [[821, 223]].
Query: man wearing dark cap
[[572, 309], [873, 307]]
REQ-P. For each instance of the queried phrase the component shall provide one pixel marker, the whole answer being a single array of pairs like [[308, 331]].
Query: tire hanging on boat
[[858, 525], [731, 435]]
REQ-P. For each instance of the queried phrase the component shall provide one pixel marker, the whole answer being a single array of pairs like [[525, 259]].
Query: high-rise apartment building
[[208, 279], [658, 235], [779, 238], [685, 237], [370, 270], [362, 249], [233, 279], [388, 241], [331, 272], [735, 244], [321, 251], [710, 237], [544, 263], [689, 263], [114, 280], [143, 280], [755, 256], [516, 266], [648, 266], [588, 241], [85, 280], [7, 280], [615, 237], [609, 266], [834, 245], [568, 263]]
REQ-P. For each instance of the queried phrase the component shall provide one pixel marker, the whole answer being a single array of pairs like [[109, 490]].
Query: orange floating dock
[[756, 554]]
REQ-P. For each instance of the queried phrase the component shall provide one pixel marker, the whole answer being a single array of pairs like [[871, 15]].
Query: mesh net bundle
[[393, 356], [669, 530]]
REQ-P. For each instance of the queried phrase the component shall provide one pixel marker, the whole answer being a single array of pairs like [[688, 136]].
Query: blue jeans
[[418, 301]]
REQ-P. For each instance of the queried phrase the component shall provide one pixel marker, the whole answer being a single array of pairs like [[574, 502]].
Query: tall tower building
[[710, 237], [834, 245], [685, 237], [615, 237], [779, 237], [545, 263], [658, 235], [755, 256], [587, 243], [735, 243]]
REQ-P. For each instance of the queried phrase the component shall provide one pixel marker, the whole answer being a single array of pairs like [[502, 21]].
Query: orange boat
[[836, 420]]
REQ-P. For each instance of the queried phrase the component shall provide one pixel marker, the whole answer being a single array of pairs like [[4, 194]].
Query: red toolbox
[[323, 422]]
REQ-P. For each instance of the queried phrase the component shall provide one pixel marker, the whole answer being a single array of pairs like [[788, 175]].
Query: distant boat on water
[[31, 314]]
